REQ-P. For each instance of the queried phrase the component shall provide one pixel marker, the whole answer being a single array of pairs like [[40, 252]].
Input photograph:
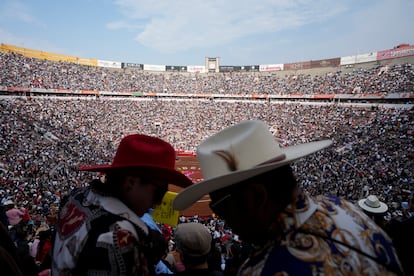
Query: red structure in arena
[[187, 163]]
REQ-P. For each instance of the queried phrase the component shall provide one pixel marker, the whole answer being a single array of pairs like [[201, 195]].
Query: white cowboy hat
[[238, 153], [8, 202], [373, 205]]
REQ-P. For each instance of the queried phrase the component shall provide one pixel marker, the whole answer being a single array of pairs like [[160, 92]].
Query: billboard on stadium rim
[[332, 62], [109, 64], [297, 66], [175, 68], [271, 67], [138, 66], [401, 50], [154, 67], [196, 69], [348, 60]]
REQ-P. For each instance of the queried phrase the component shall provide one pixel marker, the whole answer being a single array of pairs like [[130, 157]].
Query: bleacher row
[[45, 139], [19, 73]]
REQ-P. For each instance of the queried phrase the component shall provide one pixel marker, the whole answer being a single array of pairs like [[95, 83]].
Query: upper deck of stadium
[[385, 74]]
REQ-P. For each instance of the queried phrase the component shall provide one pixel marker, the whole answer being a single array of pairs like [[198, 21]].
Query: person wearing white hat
[[253, 188], [375, 209], [373, 205]]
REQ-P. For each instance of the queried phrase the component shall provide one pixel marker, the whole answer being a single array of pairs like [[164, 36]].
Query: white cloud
[[172, 26], [237, 31], [116, 25], [16, 11]]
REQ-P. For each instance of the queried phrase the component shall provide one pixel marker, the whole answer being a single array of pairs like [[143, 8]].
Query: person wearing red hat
[[99, 229]]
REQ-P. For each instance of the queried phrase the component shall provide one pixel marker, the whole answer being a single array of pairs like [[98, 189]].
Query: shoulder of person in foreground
[[9, 262], [100, 234], [341, 224]]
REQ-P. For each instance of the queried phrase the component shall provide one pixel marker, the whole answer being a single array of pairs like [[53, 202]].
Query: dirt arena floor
[[190, 167]]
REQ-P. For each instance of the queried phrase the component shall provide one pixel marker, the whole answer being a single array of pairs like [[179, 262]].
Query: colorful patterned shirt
[[325, 236]]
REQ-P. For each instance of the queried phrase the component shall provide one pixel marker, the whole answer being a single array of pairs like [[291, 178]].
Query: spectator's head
[[9, 204], [193, 242], [140, 172], [247, 176], [45, 235], [373, 206]]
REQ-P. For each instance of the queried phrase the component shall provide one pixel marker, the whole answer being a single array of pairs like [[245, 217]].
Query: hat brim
[[8, 202], [167, 174], [379, 210], [190, 195]]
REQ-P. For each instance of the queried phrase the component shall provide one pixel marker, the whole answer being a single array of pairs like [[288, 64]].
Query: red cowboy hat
[[144, 155]]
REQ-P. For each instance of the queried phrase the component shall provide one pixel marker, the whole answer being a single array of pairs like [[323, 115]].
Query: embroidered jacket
[[99, 235], [325, 236]]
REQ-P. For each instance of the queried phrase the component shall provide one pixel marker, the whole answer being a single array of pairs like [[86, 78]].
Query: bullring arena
[[61, 112], [188, 164]]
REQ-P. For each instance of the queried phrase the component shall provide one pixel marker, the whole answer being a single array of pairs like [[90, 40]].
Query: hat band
[[372, 204], [276, 159]]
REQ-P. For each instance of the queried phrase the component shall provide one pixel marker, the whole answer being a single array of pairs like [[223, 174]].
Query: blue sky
[[184, 32]]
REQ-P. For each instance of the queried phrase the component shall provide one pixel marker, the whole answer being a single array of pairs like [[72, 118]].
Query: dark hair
[[193, 260], [112, 186]]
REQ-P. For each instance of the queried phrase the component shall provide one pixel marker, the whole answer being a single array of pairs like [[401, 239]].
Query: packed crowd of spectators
[[45, 139], [20, 71]]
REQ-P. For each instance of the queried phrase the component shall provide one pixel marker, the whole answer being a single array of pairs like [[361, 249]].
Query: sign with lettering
[[164, 213]]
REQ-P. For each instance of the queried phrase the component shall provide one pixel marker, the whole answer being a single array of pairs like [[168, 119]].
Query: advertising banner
[[153, 67], [249, 68], [271, 67], [332, 62], [229, 68], [109, 64], [196, 69], [297, 66], [358, 58], [87, 61], [175, 68], [138, 66], [396, 52]]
